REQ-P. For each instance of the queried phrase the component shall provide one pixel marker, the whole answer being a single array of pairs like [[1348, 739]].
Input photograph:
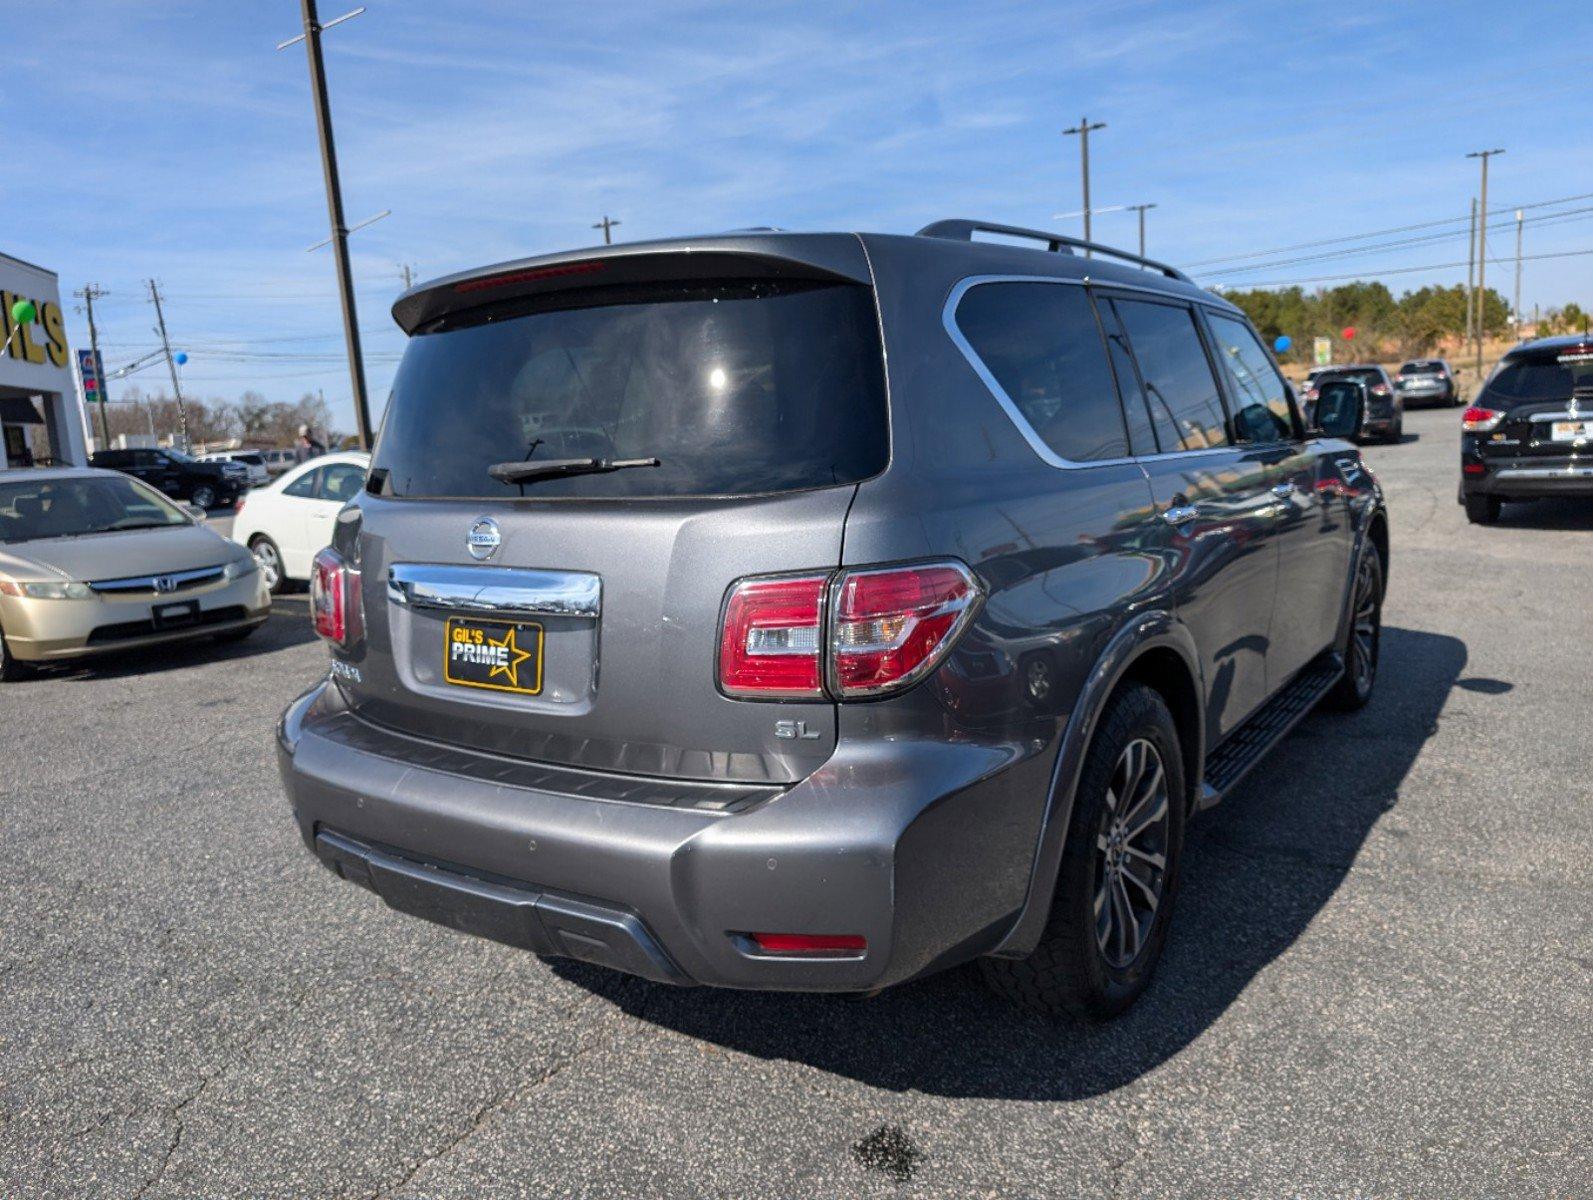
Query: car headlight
[[48, 591], [239, 567]]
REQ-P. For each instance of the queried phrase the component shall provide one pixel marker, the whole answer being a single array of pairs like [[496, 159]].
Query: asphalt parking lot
[[1377, 982]]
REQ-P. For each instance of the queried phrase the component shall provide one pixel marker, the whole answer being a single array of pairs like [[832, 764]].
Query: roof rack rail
[[959, 230]]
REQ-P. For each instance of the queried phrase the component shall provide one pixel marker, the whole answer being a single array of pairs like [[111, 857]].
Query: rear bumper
[[924, 849], [1525, 482]]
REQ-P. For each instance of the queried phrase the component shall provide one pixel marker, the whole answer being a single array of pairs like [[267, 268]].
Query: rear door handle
[[1180, 514]]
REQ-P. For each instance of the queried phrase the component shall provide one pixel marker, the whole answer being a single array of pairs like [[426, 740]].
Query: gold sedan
[[96, 561]]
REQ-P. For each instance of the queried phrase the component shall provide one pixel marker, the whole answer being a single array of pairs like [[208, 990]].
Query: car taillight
[[334, 598], [769, 641], [238, 508], [1479, 419], [856, 633], [891, 627], [1381, 389]]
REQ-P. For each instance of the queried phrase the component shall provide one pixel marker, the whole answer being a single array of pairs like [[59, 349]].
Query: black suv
[[1385, 405], [817, 611], [1529, 433], [204, 484]]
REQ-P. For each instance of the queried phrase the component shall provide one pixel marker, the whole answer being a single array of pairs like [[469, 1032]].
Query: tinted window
[[45, 508], [1041, 343], [305, 485], [1136, 411], [1180, 388], [737, 389], [1541, 377], [1261, 411], [1370, 376], [1422, 368]]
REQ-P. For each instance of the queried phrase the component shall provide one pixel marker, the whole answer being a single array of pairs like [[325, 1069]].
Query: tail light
[[238, 507], [769, 640], [1474, 468], [1480, 420], [1381, 389], [856, 633], [335, 598]]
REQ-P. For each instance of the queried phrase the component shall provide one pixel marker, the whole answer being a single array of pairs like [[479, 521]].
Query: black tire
[[203, 496], [1085, 966], [11, 667], [1482, 510], [269, 558], [1354, 689]]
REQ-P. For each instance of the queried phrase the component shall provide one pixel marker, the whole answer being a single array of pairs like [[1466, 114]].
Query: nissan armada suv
[[817, 611]]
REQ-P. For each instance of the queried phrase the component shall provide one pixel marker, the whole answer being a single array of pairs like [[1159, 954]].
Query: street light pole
[[334, 207], [1082, 129], [1482, 251]]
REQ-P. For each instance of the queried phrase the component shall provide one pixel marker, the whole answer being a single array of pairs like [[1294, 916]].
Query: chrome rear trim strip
[[1544, 473], [509, 590]]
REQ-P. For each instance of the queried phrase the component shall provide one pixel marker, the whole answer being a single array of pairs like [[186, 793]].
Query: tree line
[[251, 417], [1415, 324]]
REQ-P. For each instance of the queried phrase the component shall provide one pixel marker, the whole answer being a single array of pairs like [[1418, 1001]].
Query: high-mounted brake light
[[509, 277], [891, 627], [1480, 420], [334, 598], [769, 641]]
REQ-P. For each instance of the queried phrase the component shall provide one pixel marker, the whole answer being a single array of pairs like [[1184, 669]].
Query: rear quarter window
[[738, 389]]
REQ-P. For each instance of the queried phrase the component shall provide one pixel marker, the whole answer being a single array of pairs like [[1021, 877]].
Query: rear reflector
[[1480, 420], [1473, 469], [810, 943], [891, 627], [769, 641]]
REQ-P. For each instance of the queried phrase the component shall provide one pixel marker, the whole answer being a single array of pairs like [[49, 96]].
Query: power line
[[1271, 283]]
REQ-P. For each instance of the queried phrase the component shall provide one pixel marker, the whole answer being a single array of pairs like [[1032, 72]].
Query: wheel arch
[[1153, 648]]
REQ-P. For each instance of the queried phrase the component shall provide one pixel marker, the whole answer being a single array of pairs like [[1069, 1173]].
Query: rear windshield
[[737, 389], [1367, 375], [1422, 368], [1544, 376]]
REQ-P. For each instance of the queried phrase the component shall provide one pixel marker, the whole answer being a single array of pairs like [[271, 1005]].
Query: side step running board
[[1266, 727]]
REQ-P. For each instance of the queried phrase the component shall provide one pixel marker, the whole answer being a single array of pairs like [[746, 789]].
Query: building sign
[[1322, 351], [92, 371], [36, 364], [44, 339]]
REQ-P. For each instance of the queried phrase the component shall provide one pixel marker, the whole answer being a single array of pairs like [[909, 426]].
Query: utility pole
[[92, 292], [1471, 266], [1082, 129], [1482, 252], [1140, 209], [171, 363], [334, 207], [1518, 275], [606, 225], [408, 273]]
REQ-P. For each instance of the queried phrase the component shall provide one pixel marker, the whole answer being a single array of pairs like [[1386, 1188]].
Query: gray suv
[[818, 611]]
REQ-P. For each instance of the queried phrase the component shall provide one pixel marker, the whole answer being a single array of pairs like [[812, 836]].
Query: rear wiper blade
[[525, 472]]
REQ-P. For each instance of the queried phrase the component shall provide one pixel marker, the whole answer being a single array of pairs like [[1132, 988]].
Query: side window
[[146, 460], [306, 485], [1042, 345], [342, 481], [1185, 404], [1261, 398], [1135, 409]]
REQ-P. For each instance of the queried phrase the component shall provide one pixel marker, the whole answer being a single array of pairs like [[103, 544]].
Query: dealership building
[[41, 410]]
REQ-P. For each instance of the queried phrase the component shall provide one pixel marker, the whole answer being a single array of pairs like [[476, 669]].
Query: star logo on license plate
[[509, 666]]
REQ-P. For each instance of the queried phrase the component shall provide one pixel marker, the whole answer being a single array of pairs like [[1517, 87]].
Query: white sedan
[[288, 520]]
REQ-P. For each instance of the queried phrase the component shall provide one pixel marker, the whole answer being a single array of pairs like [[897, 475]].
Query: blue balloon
[[1283, 343], [182, 358]]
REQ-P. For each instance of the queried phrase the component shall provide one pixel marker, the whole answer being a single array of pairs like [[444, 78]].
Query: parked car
[[204, 484], [284, 523], [1427, 381], [94, 561], [801, 667], [252, 461], [279, 461], [1529, 433], [1308, 388], [1385, 410]]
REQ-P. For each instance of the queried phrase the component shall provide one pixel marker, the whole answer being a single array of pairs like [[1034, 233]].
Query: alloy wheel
[[265, 554], [1131, 853], [1364, 631], [204, 497]]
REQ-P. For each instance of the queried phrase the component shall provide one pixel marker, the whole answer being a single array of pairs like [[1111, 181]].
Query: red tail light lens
[[334, 598], [810, 943], [1474, 468], [891, 627], [1480, 420], [1381, 389], [769, 641]]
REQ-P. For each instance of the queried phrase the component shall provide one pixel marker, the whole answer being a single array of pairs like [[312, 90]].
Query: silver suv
[[798, 611]]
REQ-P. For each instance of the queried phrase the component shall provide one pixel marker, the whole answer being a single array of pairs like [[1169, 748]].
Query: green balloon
[[23, 312]]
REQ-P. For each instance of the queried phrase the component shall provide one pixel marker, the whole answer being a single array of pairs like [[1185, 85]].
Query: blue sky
[[172, 140]]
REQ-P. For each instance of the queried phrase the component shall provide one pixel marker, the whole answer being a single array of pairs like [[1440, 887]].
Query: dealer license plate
[[503, 656]]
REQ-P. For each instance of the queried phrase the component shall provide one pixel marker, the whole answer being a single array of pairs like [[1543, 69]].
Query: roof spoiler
[[959, 230]]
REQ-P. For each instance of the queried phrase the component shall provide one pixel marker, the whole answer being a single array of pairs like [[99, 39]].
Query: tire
[[269, 558], [11, 667], [204, 496], [1354, 689], [1481, 510], [1091, 962]]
